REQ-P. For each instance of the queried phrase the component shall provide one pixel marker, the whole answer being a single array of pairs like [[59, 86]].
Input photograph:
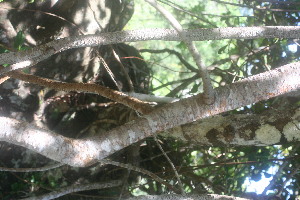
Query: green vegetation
[[172, 72]]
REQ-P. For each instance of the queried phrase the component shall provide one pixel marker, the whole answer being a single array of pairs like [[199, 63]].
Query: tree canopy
[[170, 99]]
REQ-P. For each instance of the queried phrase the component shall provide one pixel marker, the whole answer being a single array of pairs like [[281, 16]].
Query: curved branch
[[117, 96]]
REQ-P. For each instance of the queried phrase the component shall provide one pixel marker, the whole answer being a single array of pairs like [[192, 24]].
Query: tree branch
[[37, 169], [84, 152], [117, 96], [184, 197], [242, 129], [42, 52], [77, 188]]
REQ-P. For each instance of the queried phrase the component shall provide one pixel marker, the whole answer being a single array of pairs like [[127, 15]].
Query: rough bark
[[88, 151], [39, 53], [187, 197], [268, 128]]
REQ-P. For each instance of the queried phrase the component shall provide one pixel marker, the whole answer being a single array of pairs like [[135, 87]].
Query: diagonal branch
[[117, 96], [84, 152]]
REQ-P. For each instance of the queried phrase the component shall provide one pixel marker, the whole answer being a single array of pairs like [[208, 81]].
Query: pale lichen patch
[[248, 133], [152, 123], [175, 132], [291, 131], [244, 138], [268, 135], [131, 135], [106, 145]]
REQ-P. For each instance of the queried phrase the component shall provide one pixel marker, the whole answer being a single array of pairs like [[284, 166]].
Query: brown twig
[[117, 96]]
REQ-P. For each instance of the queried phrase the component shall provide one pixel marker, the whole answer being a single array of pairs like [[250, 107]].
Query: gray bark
[[269, 128], [39, 53], [85, 152], [187, 197]]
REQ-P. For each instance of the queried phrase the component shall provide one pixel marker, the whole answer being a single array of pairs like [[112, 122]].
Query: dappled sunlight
[[78, 90]]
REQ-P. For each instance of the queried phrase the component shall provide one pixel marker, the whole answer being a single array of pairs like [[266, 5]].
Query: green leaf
[[194, 88], [222, 49]]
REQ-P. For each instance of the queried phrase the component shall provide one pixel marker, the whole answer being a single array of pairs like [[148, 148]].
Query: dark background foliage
[[152, 68]]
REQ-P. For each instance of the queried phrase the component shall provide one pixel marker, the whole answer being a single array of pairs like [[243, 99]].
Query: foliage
[[230, 61], [221, 170]]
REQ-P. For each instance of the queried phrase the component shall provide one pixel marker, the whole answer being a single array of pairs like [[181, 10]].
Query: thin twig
[[110, 73], [182, 86], [174, 82], [177, 7], [254, 7], [280, 2], [143, 171], [171, 164], [170, 51], [274, 179], [76, 188], [100, 57], [207, 86], [288, 178], [3, 79], [38, 169], [131, 88]]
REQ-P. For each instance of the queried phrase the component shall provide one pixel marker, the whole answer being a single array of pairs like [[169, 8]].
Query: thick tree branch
[[39, 53], [185, 197], [85, 152], [242, 129]]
